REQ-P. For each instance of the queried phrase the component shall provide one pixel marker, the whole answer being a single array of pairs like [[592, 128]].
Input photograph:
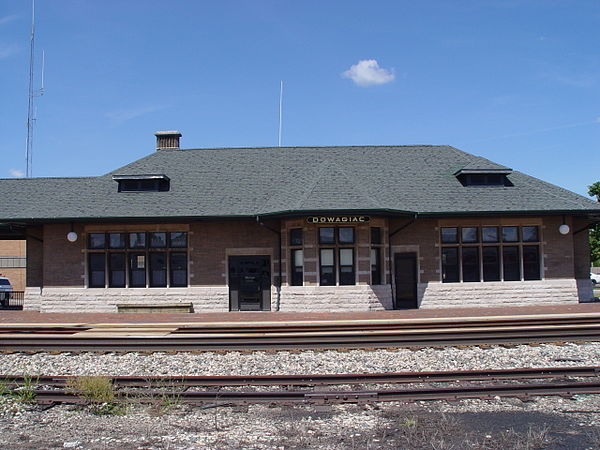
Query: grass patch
[[99, 393], [26, 392]]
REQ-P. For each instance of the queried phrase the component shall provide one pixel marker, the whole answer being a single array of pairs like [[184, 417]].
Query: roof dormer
[[482, 172], [143, 183]]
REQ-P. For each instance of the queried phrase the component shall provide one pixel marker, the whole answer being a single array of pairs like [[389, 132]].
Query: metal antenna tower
[[32, 94], [280, 109]]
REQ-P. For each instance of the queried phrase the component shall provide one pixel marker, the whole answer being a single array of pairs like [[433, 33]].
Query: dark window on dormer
[[484, 179], [153, 185]]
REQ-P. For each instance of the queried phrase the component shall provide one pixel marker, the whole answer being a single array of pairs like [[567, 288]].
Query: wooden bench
[[155, 308]]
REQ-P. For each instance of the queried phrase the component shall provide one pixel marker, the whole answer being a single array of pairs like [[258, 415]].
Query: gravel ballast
[[542, 422], [284, 362]]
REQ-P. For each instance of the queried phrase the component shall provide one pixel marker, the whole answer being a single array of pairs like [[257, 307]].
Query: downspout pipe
[[390, 257], [278, 284]]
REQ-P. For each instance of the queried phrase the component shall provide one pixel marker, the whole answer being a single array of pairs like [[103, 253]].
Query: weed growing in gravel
[[99, 392], [3, 389], [26, 392]]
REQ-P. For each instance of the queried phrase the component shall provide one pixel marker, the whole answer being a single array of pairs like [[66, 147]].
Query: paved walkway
[[31, 317]]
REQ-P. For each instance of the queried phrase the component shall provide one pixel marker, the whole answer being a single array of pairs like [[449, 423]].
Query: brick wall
[[64, 261], [35, 257], [212, 242]]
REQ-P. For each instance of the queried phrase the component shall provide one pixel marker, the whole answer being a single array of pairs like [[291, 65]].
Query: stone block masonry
[[317, 298]]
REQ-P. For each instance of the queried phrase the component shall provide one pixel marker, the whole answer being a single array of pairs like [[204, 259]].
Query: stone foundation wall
[[318, 298], [204, 299], [510, 293], [336, 298]]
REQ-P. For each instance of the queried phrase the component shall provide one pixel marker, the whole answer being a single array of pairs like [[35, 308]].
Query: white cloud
[[367, 73], [7, 50], [7, 19], [123, 115], [16, 173]]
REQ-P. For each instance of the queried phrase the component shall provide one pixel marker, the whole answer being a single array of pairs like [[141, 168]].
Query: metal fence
[[12, 300]]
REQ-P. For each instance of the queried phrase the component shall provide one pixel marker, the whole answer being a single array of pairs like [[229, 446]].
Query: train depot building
[[299, 229]]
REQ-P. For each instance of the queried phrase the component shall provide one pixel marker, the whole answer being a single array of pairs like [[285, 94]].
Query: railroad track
[[55, 390], [294, 336]]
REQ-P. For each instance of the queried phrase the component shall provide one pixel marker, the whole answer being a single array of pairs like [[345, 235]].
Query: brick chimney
[[167, 139]]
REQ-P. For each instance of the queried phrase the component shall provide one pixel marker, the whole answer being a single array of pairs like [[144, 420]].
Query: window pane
[[158, 269], [469, 234], [346, 256], [510, 263], [297, 267], [327, 257], [347, 276], [298, 258], [116, 240], [346, 235], [375, 266], [137, 240], [116, 264], [530, 234], [97, 240], [178, 269], [327, 235], [327, 276], [327, 269], [450, 265], [375, 235], [531, 262], [470, 264], [491, 263], [296, 236], [158, 240], [137, 270], [96, 272], [510, 234], [178, 239], [450, 235], [489, 234]]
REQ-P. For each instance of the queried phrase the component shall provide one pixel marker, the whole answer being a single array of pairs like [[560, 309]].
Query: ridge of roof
[[433, 146]]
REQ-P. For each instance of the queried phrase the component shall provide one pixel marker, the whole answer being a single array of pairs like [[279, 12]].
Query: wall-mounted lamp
[[564, 228], [71, 235]]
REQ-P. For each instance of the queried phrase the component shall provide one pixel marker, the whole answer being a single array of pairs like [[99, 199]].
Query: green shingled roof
[[242, 182]]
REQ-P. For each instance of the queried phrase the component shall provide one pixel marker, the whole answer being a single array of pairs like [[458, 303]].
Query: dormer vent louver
[[143, 183]]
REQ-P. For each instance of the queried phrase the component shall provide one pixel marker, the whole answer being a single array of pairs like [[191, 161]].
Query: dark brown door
[[405, 268], [249, 283]]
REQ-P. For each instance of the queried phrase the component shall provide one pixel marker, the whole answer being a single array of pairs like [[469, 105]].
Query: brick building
[[299, 229], [12, 262]]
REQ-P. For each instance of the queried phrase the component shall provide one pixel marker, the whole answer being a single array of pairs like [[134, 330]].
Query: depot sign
[[338, 219]]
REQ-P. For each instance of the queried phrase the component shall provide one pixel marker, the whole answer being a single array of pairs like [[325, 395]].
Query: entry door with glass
[[249, 283]]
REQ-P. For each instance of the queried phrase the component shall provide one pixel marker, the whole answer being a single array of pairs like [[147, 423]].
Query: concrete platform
[[237, 318]]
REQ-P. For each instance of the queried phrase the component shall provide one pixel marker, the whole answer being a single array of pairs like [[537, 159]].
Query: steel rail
[[315, 327], [319, 379], [326, 397], [297, 342]]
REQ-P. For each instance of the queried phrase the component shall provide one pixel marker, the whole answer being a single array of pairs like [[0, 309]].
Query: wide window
[[137, 259], [490, 253], [336, 256]]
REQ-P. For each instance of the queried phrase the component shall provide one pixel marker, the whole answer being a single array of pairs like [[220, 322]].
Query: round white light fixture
[[564, 229], [71, 236]]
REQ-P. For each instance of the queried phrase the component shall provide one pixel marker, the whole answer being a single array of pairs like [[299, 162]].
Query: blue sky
[[514, 81]]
